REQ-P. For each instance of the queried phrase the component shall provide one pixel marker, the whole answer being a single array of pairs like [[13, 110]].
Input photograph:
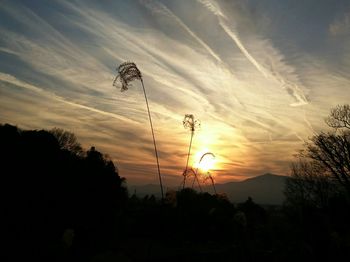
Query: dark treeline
[[62, 203], [53, 189]]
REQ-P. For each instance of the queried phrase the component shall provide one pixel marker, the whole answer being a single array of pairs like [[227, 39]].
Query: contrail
[[212, 7], [216, 11], [162, 9], [241, 47], [297, 93]]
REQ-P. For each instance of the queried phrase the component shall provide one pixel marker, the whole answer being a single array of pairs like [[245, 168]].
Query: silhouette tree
[[339, 117], [310, 184], [324, 163], [67, 141], [318, 190], [127, 72], [333, 152], [332, 149], [192, 124], [51, 191]]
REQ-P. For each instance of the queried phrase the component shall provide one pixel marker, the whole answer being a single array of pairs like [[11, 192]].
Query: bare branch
[[339, 117]]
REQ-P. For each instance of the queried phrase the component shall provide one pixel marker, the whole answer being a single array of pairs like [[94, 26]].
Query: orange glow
[[204, 160]]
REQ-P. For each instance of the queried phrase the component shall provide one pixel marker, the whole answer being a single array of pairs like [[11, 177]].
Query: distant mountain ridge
[[265, 189]]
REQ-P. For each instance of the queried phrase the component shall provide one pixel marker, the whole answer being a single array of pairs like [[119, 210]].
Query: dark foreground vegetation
[[61, 203]]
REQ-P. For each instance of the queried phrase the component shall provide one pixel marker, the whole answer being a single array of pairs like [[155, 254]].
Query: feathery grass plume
[[206, 154], [127, 72], [190, 171], [208, 174], [189, 123]]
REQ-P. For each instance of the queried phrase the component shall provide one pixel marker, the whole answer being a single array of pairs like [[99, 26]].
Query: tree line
[[52, 187], [321, 172]]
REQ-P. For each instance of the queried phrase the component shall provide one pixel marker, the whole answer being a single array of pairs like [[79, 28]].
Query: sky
[[261, 76]]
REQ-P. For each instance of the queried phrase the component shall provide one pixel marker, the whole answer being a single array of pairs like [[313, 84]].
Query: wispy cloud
[[258, 93], [274, 72], [157, 7], [340, 26], [43, 93]]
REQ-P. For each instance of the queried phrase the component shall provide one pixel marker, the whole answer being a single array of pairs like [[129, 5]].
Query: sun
[[205, 160]]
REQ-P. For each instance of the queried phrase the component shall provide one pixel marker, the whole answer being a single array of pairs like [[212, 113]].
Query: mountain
[[265, 189]]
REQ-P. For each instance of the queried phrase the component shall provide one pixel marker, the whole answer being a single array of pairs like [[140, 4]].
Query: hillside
[[264, 189]]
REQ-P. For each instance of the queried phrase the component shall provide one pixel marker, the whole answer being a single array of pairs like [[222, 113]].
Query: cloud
[[42, 92], [275, 73], [258, 95], [340, 26], [157, 7]]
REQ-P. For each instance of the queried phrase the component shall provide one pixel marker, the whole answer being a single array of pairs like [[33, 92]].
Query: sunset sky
[[260, 75]]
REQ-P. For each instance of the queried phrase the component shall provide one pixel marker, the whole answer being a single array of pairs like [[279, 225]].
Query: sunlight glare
[[204, 160]]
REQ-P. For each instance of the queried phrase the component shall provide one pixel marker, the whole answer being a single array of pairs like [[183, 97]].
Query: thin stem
[[154, 140], [196, 178], [184, 181], [212, 181], [188, 156]]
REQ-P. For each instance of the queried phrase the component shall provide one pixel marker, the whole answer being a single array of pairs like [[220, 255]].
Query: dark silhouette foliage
[[67, 141], [332, 149], [54, 197], [310, 184], [323, 168], [62, 203], [318, 191], [339, 117]]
